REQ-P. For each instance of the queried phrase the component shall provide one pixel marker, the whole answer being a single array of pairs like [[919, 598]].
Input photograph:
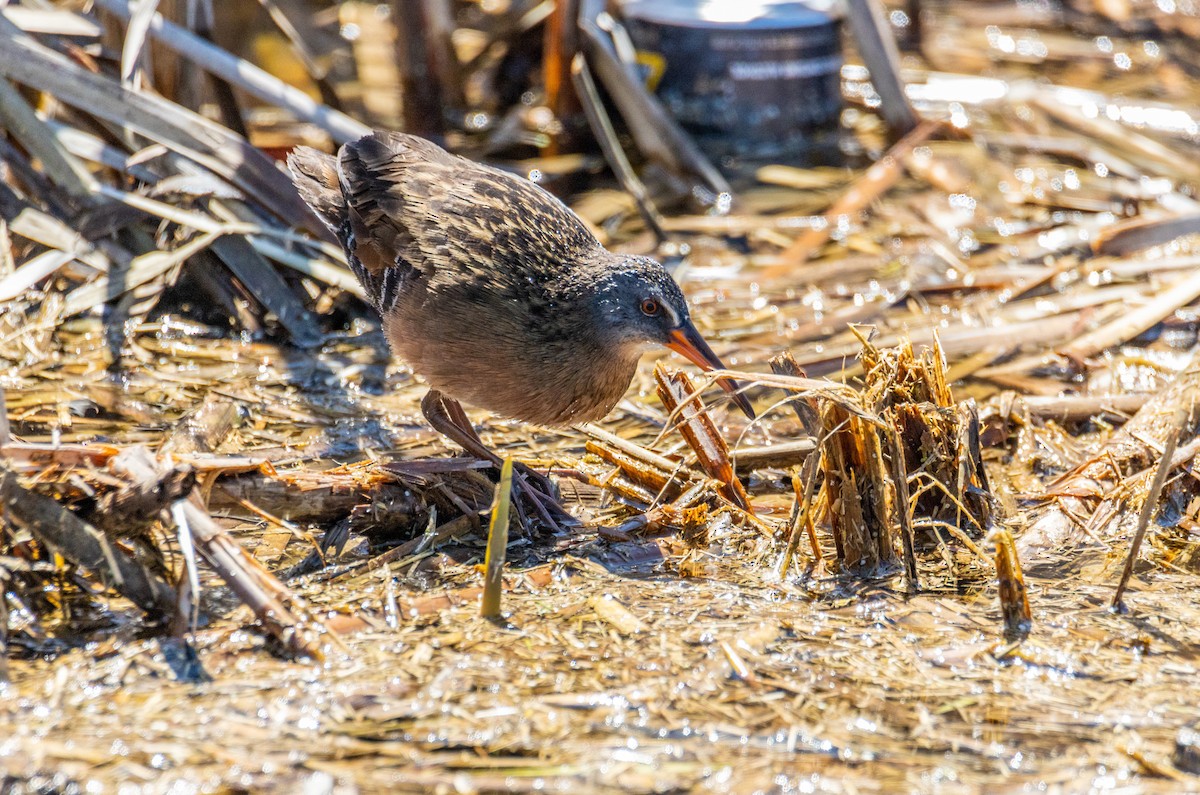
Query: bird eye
[[650, 307]]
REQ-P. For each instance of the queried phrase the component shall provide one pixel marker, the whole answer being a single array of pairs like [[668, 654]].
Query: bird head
[[638, 303]]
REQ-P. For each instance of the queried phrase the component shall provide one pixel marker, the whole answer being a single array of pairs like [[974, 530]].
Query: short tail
[[315, 176]]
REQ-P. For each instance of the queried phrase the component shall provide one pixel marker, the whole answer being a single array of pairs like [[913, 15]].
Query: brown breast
[[497, 360]]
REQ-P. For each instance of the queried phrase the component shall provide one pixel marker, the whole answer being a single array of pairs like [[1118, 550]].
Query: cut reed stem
[[497, 544]]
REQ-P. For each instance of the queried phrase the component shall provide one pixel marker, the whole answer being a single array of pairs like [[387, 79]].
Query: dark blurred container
[[749, 79]]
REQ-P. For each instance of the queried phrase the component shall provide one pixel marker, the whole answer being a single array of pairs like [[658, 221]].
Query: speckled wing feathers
[[412, 205]]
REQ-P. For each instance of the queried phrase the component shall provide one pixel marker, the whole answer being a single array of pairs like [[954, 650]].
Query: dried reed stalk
[[910, 394], [497, 544], [805, 408], [243, 74], [904, 507], [877, 47], [804, 488]]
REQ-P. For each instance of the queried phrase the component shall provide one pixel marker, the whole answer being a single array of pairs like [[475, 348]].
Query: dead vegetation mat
[[234, 558]]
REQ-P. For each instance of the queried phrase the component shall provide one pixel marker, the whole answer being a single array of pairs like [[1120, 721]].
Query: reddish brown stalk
[[561, 45], [636, 470], [681, 398]]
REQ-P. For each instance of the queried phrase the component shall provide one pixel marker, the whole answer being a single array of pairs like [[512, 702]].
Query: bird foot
[[535, 492], [539, 493]]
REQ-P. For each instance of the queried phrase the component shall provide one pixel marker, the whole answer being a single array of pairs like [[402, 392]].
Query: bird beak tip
[[687, 342], [742, 401]]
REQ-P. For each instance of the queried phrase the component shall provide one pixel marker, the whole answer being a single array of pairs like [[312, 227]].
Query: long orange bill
[[687, 342]]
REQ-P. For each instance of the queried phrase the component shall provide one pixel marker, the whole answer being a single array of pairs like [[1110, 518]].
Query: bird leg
[[447, 417]]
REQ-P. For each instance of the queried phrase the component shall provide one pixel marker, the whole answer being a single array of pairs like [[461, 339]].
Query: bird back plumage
[[403, 206]]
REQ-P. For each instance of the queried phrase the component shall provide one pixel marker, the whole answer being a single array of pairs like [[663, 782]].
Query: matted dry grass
[[670, 641]]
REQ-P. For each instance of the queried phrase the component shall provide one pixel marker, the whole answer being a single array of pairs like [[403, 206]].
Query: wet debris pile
[[71, 543], [86, 523]]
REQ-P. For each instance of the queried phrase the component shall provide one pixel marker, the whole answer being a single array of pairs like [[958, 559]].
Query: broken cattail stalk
[[739, 666], [1151, 499], [803, 487], [624, 490], [30, 63], [635, 450], [773, 456], [648, 477], [613, 612], [497, 545], [910, 393], [1074, 408], [856, 487], [683, 401], [1014, 597], [903, 508]]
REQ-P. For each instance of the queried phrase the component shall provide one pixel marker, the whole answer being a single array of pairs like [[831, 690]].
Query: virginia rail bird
[[492, 289]]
